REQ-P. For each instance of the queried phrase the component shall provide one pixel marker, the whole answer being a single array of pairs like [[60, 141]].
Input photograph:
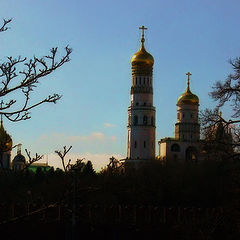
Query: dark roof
[[19, 158]]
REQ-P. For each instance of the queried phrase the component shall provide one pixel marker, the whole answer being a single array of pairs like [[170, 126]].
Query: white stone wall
[[167, 154], [141, 132], [187, 127]]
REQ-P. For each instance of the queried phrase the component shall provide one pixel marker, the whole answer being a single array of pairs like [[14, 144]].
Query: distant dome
[[19, 158], [5, 140], [188, 98]]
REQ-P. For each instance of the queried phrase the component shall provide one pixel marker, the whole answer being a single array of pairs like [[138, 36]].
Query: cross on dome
[[142, 28], [188, 79]]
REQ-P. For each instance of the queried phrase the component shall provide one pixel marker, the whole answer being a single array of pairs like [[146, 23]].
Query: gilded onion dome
[[188, 97], [142, 57], [5, 140], [142, 61]]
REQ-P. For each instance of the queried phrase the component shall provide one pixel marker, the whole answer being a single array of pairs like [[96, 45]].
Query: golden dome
[[142, 56], [188, 97], [5, 140]]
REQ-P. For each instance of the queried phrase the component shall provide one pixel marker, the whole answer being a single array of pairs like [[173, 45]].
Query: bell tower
[[141, 112], [187, 127]]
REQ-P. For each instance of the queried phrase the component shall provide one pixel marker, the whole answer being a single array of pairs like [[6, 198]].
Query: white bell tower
[[141, 112], [187, 127]]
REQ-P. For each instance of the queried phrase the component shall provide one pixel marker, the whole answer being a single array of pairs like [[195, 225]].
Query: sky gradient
[[199, 36]]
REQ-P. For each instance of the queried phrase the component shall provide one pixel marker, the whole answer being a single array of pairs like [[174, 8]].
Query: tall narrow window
[[135, 144], [152, 121], [144, 144], [135, 121], [145, 120]]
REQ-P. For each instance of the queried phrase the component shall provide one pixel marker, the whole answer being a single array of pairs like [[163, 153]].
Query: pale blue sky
[[199, 36]]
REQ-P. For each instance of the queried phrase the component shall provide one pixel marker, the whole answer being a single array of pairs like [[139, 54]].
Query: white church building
[[186, 143]]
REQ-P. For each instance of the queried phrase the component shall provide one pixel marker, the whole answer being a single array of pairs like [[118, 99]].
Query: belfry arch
[[191, 154]]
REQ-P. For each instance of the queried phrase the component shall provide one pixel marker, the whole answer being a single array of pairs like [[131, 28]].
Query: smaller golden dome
[[188, 97], [5, 140], [142, 56]]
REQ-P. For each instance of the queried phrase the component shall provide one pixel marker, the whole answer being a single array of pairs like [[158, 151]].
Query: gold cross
[[188, 79], [142, 28]]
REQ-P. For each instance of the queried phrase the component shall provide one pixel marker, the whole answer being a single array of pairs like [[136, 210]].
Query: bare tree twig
[[32, 160], [20, 75], [62, 155], [4, 25]]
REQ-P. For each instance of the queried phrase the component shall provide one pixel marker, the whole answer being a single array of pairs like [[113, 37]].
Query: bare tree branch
[[4, 25], [214, 124], [32, 160], [62, 155], [19, 75], [229, 90]]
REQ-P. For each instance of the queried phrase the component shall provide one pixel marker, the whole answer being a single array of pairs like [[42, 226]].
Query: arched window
[[175, 148], [145, 119], [152, 121], [135, 120], [191, 154]]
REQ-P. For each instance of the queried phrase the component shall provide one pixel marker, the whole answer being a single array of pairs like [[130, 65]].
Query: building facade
[[141, 112], [19, 161]]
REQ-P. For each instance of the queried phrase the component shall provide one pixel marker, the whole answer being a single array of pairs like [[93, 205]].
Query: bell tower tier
[[141, 112], [187, 127]]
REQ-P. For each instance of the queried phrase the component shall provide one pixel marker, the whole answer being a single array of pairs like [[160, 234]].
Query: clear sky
[[199, 36]]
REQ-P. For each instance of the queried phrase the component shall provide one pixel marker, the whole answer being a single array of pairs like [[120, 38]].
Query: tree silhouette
[[22, 75]]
